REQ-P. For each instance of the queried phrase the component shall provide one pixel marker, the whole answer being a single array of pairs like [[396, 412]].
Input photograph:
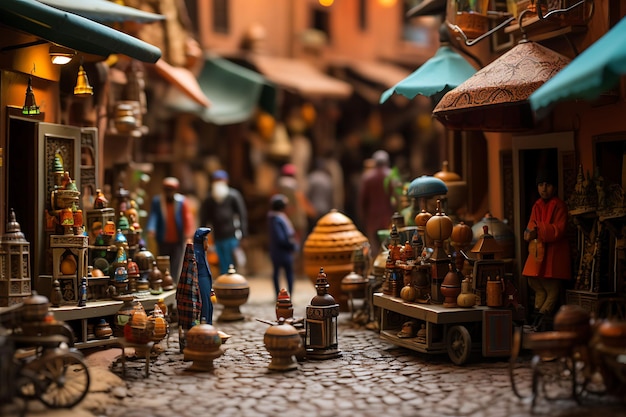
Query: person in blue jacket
[[282, 241]]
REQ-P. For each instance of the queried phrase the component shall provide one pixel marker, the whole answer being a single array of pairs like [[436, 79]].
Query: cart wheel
[[459, 343], [63, 381], [518, 370]]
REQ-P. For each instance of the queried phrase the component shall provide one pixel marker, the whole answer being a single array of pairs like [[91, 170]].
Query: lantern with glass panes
[[15, 279], [321, 322]]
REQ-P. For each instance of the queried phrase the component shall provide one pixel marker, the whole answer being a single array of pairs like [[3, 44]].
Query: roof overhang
[[104, 11], [73, 31]]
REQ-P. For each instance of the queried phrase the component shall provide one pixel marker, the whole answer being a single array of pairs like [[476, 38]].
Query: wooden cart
[[457, 331]]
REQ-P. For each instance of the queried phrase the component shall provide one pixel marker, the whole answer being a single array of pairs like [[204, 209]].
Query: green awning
[[104, 11], [596, 70], [73, 31], [440, 74], [234, 91]]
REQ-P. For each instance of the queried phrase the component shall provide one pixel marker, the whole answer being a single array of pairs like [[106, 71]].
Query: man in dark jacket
[[282, 239], [224, 211]]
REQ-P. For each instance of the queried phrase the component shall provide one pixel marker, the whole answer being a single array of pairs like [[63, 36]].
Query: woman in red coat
[[548, 263]]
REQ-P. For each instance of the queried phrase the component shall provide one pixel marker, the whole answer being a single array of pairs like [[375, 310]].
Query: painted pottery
[[451, 288], [232, 291], [282, 341], [103, 330], [330, 245], [203, 345]]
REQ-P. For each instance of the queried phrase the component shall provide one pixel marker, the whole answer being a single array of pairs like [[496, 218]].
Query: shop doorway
[[554, 151]]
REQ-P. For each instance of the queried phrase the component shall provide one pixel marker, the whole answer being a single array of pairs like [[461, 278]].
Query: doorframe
[[564, 143]]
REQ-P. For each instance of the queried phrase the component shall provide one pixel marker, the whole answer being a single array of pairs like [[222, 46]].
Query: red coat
[[550, 220]]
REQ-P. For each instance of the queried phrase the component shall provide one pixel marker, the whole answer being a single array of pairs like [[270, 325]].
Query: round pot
[[283, 342], [232, 291], [330, 246]]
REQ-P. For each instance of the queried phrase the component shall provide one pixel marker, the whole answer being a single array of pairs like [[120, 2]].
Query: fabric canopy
[[184, 80], [104, 11], [496, 97], [234, 91], [596, 70], [300, 77], [73, 31], [440, 74]]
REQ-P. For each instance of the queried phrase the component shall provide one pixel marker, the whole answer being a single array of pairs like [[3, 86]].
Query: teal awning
[[234, 91], [73, 31], [596, 70], [440, 74], [104, 11]]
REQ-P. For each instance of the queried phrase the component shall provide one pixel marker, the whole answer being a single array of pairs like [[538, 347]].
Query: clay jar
[[451, 288], [103, 330], [232, 291], [612, 333], [330, 245], [466, 298], [284, 307], [203, 346], [35, 307], [573, 318], [283, 342]]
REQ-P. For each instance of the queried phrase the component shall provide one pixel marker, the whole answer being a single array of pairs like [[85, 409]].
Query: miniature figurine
[[205, 281], [171, 233], [225, 212], [548, 262], [282, 241]]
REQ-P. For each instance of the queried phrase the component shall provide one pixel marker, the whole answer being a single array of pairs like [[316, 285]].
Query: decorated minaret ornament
[[321, 323]]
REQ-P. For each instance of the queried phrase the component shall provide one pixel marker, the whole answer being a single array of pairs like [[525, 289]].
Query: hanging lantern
[[82, 88], [321, 323], [30, 107]]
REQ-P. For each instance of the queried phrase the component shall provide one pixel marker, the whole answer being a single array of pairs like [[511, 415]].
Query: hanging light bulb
[[60, 55], [82, 88], [30, 106]]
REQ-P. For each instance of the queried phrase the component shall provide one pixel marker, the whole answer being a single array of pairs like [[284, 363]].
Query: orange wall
[[284, 17]]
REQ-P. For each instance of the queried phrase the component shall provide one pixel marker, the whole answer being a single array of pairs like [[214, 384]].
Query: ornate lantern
[[321, 322], [14, 265]]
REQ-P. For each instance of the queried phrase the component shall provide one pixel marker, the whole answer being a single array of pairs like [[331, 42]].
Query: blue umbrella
[[440, 74], [596, 70]]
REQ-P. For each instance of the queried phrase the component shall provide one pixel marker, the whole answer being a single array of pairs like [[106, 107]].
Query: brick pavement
[[371, 378]]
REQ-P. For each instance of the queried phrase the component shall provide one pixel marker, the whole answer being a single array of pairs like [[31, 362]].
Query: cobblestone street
[[370, 378]]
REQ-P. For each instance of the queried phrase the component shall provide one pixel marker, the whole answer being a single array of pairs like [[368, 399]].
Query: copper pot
[[35, 307]]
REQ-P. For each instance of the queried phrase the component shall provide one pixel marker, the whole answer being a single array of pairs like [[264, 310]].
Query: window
[[221, 16], [363, 15], [321, 22]]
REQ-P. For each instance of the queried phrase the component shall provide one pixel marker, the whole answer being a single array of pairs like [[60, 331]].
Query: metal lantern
[[15, 279], [321, 322]]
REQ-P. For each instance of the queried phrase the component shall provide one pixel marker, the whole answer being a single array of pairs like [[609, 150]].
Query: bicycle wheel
[[63, 381]]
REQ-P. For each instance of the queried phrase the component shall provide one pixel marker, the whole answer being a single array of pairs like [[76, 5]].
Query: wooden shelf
[[538, 30]]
